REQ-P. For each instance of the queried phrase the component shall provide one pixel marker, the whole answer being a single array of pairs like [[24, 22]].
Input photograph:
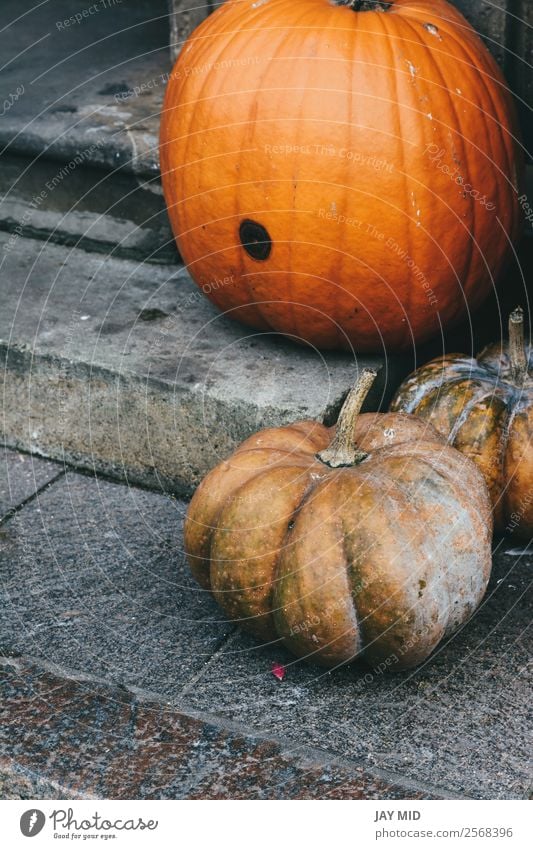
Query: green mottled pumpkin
[[484, 407]]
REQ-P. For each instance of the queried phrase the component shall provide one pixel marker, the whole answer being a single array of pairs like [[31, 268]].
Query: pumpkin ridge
[[444, 471], [197, 53], [260, 307], [187, 136], [234, 493], [303, 453], [506, 507], [394, 499], [350, 571], [202, 568], [238, 596], [292, 574], [491, 70], [472, 229], [467, 409], [316, 489], [490, 155], [405, 301], [290, 300]]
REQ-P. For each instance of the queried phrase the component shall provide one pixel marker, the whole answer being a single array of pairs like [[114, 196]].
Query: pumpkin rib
[[327, 484], [467, 409], [201, 557], [350, 192], [187, 136], [296, 586], [241, 258], [171, 112], [396, 511], [243, 262], [395, 499], [397, 110], [523, 467], [226, 45], [493, 160], [447, 468], [294, 179], [507, 507], [488, 135], [472, 227], [246, 596], [311, 440], [499, 120], [493, 468]]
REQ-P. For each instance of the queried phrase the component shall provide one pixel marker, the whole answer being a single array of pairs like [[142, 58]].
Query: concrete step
[[110, 647], [116, 213], [142, 749], [85, 82], [127, 368]]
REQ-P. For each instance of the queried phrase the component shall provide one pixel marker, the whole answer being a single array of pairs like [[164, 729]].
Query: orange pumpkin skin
[[377, 149], [479, 406], [383, 559]]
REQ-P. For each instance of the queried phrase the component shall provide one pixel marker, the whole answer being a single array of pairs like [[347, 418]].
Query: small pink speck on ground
[[278, 671]]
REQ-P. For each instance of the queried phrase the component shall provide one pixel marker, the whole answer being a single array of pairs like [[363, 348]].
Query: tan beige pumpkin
[[484, 407], [371, 538]]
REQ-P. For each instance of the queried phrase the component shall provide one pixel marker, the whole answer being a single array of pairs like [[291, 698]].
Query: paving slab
[[126, 368], [96, 585], [94, 578], [463, 720], [77, 739], [21, 476]]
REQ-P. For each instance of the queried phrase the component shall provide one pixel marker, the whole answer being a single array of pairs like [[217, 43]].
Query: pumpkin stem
[[343, 451], [517, 348], [366, 5]]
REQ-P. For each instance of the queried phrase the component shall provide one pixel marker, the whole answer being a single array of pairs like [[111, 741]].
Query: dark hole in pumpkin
[[255, 239]]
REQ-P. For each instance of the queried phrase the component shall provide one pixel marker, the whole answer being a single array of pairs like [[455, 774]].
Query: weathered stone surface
[[95, 584], [127, 368], [461, 721], [90, 741], [88, 87], [115, 213], [21, 476], [93, 577]]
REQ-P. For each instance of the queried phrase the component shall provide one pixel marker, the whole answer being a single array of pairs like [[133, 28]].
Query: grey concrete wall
[[506, 27]]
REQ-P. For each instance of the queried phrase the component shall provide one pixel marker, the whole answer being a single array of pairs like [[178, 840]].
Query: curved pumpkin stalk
[[343, 451], [517, 346]]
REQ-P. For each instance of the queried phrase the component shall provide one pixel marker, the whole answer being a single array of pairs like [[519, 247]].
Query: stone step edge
[[129, 428], [304, 757]]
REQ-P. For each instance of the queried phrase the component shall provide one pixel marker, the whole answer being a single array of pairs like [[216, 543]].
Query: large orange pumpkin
[[345, 174], [370, 538], [484, 407]]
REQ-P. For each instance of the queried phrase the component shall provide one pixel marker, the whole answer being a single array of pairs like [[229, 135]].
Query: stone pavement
[[121, 678]]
